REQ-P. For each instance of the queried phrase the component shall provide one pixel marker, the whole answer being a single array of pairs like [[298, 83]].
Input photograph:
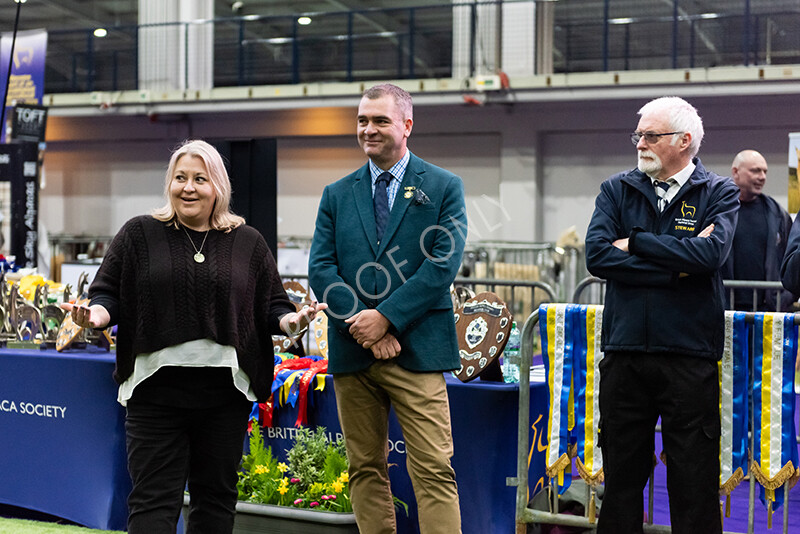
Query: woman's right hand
[[95, 316]]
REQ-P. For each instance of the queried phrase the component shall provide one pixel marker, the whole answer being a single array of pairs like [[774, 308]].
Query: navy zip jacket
[[779, 224], [666, 294], [790, 267]]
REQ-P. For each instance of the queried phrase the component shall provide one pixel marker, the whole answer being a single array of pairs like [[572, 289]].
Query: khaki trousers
[[422, 408]]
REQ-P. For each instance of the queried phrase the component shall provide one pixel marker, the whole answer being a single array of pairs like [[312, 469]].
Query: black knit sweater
[[160, 297]]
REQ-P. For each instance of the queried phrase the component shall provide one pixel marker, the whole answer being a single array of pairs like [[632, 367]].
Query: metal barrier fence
[[524, 514], [561, 267], [596, 288]]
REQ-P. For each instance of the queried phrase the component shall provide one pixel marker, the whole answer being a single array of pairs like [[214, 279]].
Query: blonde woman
[[196, 295]]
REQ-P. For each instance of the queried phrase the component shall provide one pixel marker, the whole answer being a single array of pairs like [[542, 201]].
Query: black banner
[[19, 165]]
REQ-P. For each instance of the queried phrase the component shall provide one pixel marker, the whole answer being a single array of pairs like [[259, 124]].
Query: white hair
[[682, 117]]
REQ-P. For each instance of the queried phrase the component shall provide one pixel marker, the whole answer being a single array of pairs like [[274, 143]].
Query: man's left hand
[[367, 327], [621, 244], [386, 348]]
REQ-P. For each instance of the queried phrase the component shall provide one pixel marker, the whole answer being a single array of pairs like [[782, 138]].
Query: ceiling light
[[304, 21], [100, 32]]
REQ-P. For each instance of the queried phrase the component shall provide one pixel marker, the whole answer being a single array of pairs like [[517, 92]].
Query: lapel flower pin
[[420, 197], [409, 191]]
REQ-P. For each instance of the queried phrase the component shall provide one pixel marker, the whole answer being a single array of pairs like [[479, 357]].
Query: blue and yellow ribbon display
[[588, 322], [571, 352], [733, 412], [775, 455], [557, 335]]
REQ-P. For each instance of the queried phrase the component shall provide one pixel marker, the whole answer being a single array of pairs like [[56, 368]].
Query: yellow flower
[[261, 469], [316, 488], [344, 477], [283, 489], [337, 486], [284, 484], [282, 467]]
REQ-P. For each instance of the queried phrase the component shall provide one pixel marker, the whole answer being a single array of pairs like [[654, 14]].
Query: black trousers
[[185, 424], [635, 389]]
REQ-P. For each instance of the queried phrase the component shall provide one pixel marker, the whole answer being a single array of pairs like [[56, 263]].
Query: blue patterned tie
[[381, 203], [661, 193]]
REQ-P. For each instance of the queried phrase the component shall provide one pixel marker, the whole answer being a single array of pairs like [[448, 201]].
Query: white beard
[[650, 167]]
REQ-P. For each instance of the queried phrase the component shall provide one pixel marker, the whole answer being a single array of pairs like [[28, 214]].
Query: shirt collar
[[398, 170], [682, 176]]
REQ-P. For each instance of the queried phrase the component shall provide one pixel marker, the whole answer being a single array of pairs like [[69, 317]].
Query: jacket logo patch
[[687, 210], [685, 225]]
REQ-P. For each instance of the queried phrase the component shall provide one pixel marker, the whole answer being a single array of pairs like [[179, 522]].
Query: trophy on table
[[299, 297], [52, 315], [483, 323], [6, 333], [73, 336], [25, 321]]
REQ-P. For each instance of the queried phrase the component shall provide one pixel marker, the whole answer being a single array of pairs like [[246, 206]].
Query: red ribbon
[[320, 366], [294, 363], [265, 412]]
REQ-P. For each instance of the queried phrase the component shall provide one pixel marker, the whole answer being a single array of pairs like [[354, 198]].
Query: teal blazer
[[406, 277]]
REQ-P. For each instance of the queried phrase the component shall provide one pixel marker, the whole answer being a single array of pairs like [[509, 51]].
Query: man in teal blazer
[[386, 249]]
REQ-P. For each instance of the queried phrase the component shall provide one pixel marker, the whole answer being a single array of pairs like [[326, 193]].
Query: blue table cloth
[[62, 437]]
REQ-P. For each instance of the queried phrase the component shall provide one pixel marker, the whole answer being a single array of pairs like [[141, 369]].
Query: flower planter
[[252, 518]]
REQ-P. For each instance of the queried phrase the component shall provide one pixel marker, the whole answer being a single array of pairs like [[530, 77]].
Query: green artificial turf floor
[[24, 526]]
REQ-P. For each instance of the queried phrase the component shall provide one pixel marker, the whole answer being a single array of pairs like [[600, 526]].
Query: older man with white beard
[[658, 235]]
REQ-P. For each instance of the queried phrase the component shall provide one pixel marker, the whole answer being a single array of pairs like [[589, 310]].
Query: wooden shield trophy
[[482, 325]]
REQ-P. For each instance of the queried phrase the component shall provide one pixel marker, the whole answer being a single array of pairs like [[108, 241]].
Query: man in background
[[387, 245], [760, 240], [659, 235]]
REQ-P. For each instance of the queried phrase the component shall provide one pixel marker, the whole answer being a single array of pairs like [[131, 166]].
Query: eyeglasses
[[649, 137]]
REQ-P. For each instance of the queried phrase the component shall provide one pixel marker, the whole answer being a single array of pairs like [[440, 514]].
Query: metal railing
[[417, 42], [344, 46], [678, 41], [596, 286]]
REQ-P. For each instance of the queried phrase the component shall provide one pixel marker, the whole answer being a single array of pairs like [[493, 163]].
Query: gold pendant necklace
[[198, 253]]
